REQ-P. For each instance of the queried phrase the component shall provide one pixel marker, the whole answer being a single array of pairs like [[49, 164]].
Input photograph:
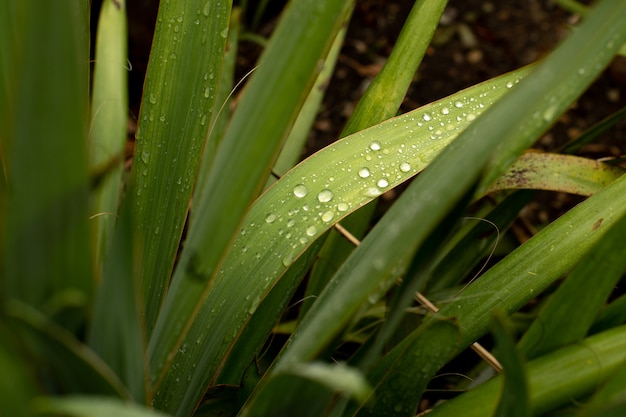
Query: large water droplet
[[382, 183], [207, 8], [445, 110], [342, 207], [405, 167], [153, 99], [270, 218], [372, 192], [207, 92], [300, 191], [145, 157], [311, 230], [364, 173], [427, 117], [325, 196], [458, 104], [375, 146], [328, 216]]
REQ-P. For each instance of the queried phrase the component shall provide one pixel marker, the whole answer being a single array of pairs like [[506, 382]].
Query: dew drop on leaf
[[405, 167], [382, 183], [325, 196], [364, 173], [300, 191], [375, 146], [311, 230], [270, 218], [328, 216]]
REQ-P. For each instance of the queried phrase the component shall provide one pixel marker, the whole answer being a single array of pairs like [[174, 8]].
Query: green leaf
[[514, 398], [556, 172], [286, 71], [73, 367], [79, 406], [610, 399], [178, 96], [107, 133], [554, 379], [568, 314], [45, 231], [117, 334], [304, 389]]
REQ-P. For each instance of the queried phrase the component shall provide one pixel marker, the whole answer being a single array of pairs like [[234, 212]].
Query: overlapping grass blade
[[67, 363], [610, 399], [45, 182], [220, 115], [178, 96], [512, 125], [252, 142], [381, 101], [290, 215], [556, 172], [83, 406], [568, 314], [514, 397], [107, 133], [554, 379]]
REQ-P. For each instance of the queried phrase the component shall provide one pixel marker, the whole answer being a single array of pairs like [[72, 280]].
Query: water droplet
[[549, 113], [328, 216], [207, 8], [287, 260], [153, 99], [342, 207], [509, 84], [291, 223], [372, 192], [375, 146], [364, 173], [382, 183], [179, 180], [197, 21], [207, 92], [145, 157], [445, 110], [145, 172], [270, 218], [157, 230], [405, 167], [458, 104], [325, 196], [300, 191], [224, 33], [427, 117], [311, 230], [470, 117], [304, 240], [162, 118]]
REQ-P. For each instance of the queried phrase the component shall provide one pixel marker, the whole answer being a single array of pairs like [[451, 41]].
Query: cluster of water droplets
[[308, 201]]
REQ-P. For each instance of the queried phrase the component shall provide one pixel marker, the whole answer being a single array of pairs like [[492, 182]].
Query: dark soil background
[[476, 40]]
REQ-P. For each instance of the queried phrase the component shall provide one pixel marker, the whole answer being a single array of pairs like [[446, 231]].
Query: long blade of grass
[[610, 399], [289, 216], [72, 366], [554, 379], [107, 137], [556, 172], [83, 406], [381, 101], [568, 314], [286, 71], [519, 118], [179, 92], [45, 231], [514, 401]]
